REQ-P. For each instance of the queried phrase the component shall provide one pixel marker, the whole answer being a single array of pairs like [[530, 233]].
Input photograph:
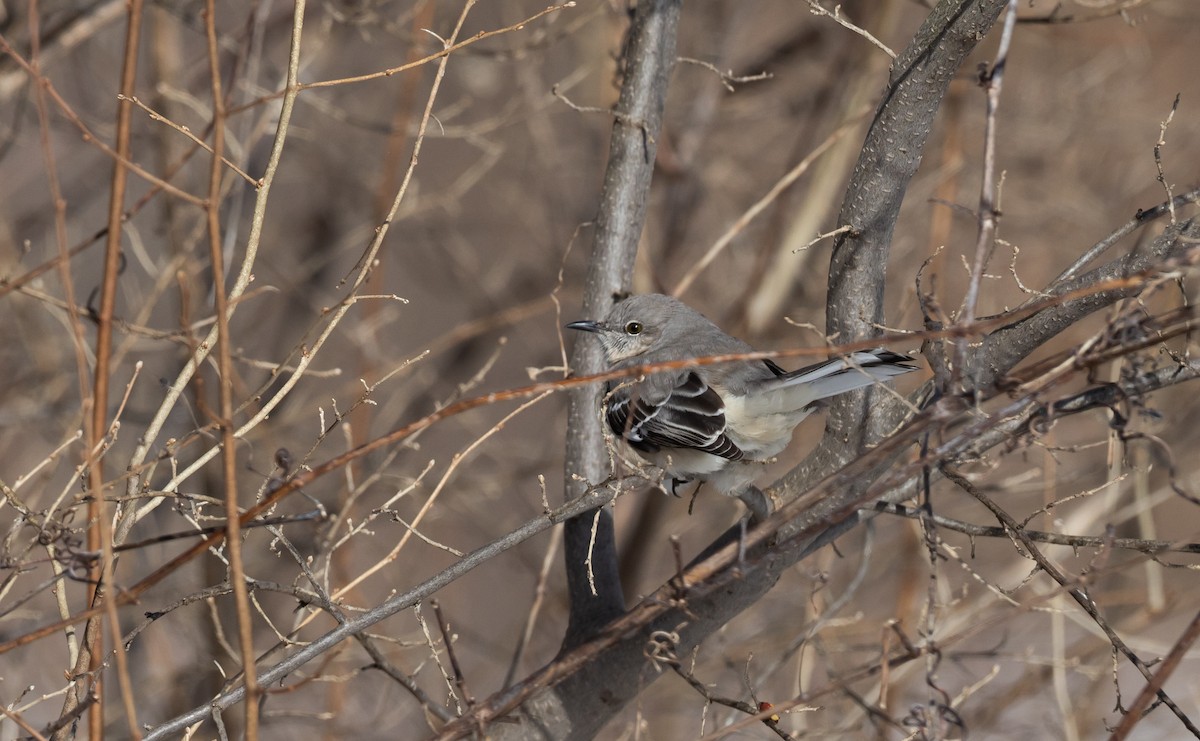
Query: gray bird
[[713, 423]]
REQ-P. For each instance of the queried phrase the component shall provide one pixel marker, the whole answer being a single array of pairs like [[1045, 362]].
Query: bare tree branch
[[649, 57], [392, 481], [890, 156], [1007, 346], [723, 582]]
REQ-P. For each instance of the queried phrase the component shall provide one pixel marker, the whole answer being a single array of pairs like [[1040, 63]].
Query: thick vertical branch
[[590, 693], [890, 156], [889, 159], [82, 660], [649, 56]]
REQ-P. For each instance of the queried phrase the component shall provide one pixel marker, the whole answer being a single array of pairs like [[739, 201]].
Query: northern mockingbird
[[712, 423]]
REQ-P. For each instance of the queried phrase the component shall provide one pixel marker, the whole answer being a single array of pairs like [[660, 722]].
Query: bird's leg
[[695, 494]]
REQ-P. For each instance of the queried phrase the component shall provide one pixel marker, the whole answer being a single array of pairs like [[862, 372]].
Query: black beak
[[585, 326]]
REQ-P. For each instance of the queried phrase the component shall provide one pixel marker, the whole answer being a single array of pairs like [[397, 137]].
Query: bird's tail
[[802, 388]]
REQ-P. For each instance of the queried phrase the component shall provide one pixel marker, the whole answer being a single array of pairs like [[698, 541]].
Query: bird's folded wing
[[688, 413]]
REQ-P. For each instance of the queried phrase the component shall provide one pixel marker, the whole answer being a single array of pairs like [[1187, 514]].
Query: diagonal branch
[[1009, 345], [719, 586]]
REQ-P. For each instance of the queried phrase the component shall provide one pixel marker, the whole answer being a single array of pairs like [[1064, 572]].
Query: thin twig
[[1158, 145], [460, 682], [156, 116], [836, 15], [728, 79], [988, 207], [1140, 545], [539, 596], [1153, 689], [88, 135], [147, 440], [448, 47], [1099, 13], [1076, 589], [761, 204]]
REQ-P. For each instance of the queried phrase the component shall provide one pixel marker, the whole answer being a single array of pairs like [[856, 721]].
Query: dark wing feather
[[691, 415], [774, 367]]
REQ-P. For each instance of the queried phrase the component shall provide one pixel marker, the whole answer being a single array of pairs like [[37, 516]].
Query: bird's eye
[[633, 328]]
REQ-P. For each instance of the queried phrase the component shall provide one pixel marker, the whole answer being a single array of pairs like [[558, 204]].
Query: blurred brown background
[[508, 173]]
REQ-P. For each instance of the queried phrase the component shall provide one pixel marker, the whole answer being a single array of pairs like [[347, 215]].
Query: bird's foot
[[673, 486], [757, 502]]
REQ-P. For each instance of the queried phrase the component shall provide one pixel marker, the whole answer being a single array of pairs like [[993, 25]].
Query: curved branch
[[889, 159], [714, 590], [599, 677], [890, 156]]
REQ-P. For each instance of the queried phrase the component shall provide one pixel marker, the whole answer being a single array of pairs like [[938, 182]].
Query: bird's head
[[636, 325]]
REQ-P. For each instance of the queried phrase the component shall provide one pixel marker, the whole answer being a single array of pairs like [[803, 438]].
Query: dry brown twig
[[301, 479], [836, 15], [160, 118], [759, 206], [1121, 354]]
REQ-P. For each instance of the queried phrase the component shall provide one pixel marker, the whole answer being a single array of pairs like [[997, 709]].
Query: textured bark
[[649, 57], [891, 153], [574, 698], [1012, 343]]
